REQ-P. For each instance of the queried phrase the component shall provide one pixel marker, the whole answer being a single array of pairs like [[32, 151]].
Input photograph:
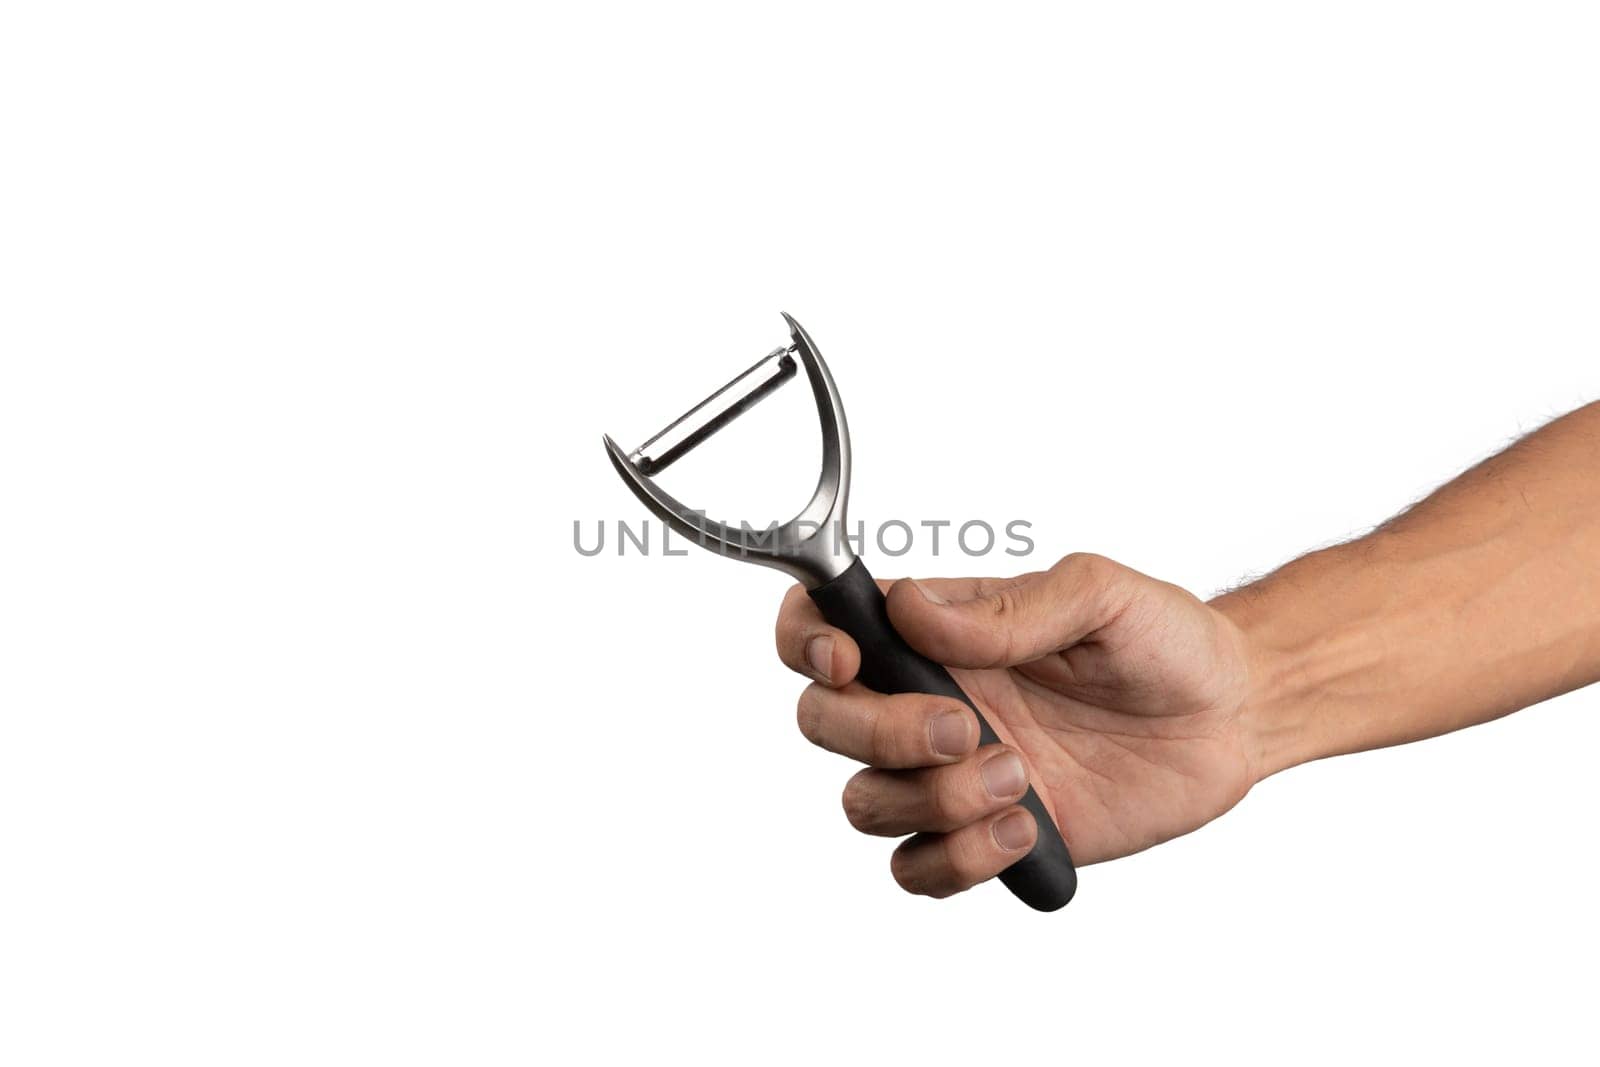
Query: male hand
[[1119, 697]]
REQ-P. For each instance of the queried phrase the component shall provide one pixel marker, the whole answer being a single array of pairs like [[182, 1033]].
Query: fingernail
[[948, 732], [1012, 832], [1003, 776], [819, 653], [928, 594]]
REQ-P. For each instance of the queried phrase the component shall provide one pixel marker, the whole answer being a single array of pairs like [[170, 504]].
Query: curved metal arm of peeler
[[1118, 697]]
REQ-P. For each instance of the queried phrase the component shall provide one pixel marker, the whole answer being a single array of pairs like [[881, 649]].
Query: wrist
[[1276, 726], [1310, 639]]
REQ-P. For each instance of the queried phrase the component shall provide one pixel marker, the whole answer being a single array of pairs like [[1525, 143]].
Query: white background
[[319, 743]]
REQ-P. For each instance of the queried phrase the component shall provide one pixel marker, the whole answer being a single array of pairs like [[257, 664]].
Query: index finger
[[809, 646]]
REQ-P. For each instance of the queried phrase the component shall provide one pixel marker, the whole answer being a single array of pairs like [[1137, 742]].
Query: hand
[[1119, 697]]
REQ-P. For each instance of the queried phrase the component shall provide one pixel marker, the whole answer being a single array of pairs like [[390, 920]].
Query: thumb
[[1000, 623]]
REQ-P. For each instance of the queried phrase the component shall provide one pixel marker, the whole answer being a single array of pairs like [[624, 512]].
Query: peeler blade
[[811, 547], [697, 424]]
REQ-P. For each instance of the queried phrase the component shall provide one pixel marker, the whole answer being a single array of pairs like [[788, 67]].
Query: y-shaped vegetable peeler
[[813, 548]]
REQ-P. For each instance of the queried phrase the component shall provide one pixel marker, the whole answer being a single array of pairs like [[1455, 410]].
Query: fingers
[[939, 865], [1005, 622], [905, 730], [809, 646], [893, 803], [926, 775], [928, 778]]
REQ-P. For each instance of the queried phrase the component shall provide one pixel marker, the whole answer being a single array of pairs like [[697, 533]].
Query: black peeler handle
[[1044, 878]]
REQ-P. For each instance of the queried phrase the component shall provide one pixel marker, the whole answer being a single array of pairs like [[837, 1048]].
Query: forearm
[[1480, 600]]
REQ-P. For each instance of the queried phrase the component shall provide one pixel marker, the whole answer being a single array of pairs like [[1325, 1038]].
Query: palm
[[1132, 736]]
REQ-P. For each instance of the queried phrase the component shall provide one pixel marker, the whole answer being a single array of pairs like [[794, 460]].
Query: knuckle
[[909, 866], [902, 870], [1006, 618], [951, 880], [861, 803], [1086, 567], [882, 736], [966, 865], [785, 628], [808, 714], [949, 805], [1002, 603], [1103, 584]]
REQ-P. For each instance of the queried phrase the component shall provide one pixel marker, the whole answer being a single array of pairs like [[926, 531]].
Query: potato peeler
[[812, 548]]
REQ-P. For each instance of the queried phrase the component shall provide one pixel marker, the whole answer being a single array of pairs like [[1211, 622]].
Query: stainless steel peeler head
[[811, 546]]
